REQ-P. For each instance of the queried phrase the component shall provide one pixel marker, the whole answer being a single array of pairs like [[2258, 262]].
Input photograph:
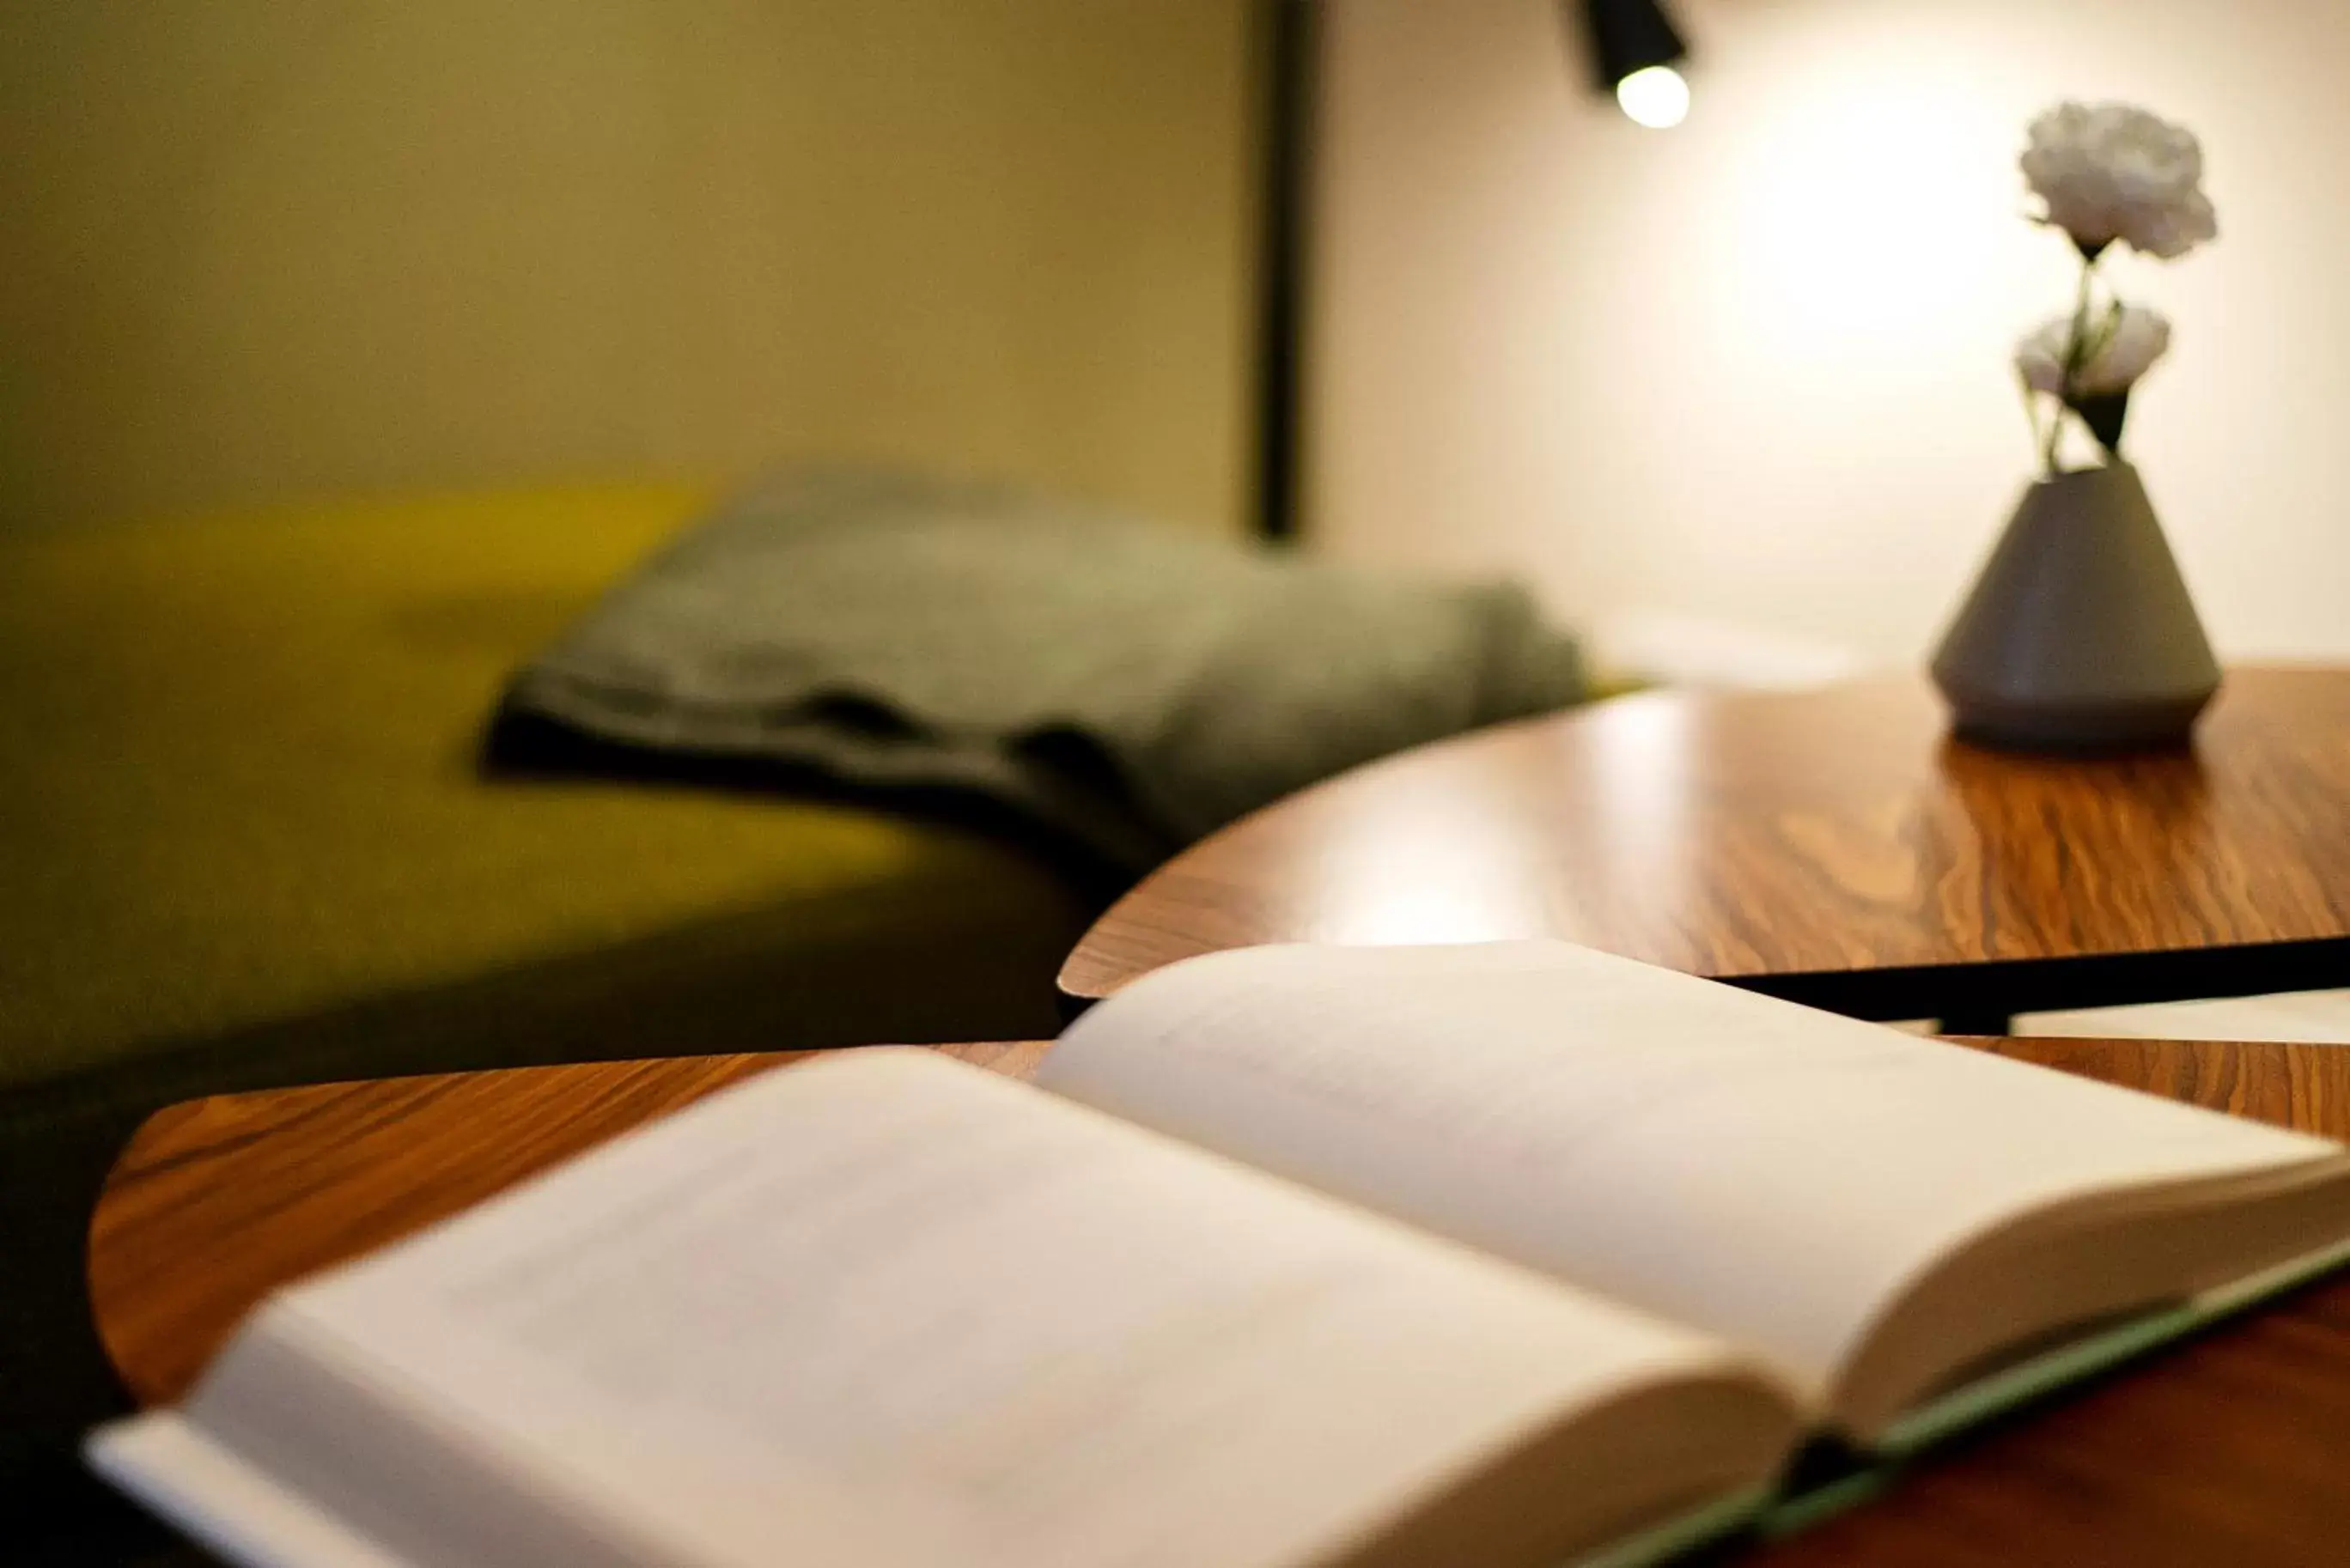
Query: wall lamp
[[1634, 48]]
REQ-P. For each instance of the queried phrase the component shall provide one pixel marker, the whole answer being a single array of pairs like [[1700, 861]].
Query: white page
[[1765, 1171], [242, 1513], [888, 1310]]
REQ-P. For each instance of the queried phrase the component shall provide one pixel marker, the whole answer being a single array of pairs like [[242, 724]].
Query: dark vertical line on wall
[[1289, 39]]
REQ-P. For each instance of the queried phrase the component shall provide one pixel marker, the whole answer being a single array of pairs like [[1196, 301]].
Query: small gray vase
[[2078, 636]]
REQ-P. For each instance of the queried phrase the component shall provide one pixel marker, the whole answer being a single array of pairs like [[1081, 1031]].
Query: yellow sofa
[[243, 841]]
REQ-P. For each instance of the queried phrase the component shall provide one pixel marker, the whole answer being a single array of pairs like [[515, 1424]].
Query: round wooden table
[[2226, 1450], [1835, 847]]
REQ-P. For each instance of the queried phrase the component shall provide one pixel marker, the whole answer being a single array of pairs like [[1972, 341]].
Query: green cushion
[[240, 781], [243, 841]]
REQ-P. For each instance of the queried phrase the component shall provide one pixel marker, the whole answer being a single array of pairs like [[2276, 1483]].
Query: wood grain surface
[[1831, 845], [216, 1202], [2227, 1452]]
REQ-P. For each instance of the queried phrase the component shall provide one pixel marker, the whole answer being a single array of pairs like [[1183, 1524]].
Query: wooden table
[[2232, 1450], [1834, 848]]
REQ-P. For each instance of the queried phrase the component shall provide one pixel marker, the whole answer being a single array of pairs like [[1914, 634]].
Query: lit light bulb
[[1655, 97]]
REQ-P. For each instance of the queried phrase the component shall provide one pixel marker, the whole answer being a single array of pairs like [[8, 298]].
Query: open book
[[1506, 1254]]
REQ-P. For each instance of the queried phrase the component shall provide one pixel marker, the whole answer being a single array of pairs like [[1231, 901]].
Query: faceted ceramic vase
[[2079, 635]]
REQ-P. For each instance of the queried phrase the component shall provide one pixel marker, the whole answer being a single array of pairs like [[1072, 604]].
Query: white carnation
[[2135, 338], [2122, 347], [2040, 357], [2112, 171]]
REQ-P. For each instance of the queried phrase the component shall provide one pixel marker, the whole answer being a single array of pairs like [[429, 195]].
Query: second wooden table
[[1833, 847]]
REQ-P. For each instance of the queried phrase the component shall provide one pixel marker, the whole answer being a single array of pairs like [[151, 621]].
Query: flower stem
[[2076, 354]]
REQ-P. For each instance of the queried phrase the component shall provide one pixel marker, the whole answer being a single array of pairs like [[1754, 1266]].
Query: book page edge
[[2077, 1361], [223, 1501]]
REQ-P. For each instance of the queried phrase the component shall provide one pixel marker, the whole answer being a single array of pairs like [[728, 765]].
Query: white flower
[[2113, 171], [2135, 338], [2122, 347], [2040, 357]]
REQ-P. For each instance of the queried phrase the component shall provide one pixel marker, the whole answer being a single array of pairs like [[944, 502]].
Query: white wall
[[1755, 368]]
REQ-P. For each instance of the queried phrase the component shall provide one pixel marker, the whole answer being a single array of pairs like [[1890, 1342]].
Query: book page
[[1767, 1172], [890, 1310]]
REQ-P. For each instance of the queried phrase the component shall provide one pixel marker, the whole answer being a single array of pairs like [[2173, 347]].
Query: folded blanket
[[1121, 687]]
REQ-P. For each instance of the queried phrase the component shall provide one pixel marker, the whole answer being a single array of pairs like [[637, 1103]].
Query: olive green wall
[[256, 251]]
